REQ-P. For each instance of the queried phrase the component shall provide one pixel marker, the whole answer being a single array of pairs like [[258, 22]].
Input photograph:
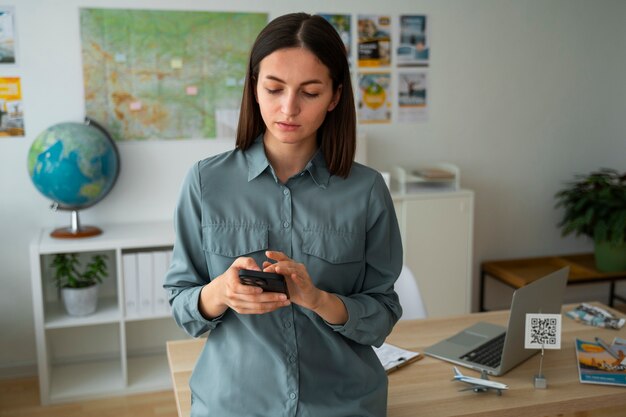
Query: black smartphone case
[[269, 281]]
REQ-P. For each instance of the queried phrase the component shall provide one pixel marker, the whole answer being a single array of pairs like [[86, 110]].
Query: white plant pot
[[80, 301]]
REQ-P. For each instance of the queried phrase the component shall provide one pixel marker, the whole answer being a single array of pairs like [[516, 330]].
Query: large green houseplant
[[79, 289], [595, 206]]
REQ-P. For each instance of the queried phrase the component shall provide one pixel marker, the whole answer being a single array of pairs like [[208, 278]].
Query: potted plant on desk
[[79, 290], [595, 206]]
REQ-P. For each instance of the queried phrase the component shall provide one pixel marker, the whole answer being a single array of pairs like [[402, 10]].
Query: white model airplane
[[481, 384]]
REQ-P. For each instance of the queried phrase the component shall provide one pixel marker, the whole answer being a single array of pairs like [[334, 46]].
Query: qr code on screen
[[543, 331]]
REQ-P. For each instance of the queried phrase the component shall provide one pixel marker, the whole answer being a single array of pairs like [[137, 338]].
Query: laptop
[[496, 349]]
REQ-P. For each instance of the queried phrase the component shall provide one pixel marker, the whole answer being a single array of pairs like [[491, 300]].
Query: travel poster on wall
[[374, 104], [374, 40], [11, 113], [414, 48], [7, 35], [412, 96], [166, 74], [343, 25]]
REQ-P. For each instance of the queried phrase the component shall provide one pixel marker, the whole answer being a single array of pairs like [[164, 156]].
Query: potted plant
[[79, 290], [595, 206]]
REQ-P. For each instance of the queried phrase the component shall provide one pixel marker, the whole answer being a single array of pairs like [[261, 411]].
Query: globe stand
[[75, 230]]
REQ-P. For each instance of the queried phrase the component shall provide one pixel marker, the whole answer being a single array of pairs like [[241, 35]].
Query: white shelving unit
[[106, 353]]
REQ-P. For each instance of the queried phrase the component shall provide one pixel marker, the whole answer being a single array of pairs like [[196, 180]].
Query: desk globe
[[75, 165]]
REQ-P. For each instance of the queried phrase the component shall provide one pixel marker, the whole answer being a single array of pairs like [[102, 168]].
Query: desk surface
[[426, 385]]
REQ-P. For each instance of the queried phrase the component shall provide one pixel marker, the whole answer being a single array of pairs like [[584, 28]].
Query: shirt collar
[[318, 170], [258, 163]]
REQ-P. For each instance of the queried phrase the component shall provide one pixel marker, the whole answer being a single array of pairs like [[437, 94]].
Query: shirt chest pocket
[[223, 243], [334, 259]]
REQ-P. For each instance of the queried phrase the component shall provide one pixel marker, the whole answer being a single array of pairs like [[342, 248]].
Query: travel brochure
[[7, 35], [595, 316], [601, 364], [374, 40], [373, 102], [11, 110]]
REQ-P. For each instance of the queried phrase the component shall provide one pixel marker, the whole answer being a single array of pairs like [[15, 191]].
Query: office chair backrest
[[410, 296]]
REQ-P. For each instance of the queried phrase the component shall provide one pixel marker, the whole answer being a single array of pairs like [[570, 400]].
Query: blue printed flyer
[[598, 366]]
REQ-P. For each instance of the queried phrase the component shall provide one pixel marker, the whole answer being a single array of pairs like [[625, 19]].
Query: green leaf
[[67, 274], [594, 205]]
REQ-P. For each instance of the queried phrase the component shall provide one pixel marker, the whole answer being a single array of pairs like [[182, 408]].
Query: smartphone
[[269, 281]]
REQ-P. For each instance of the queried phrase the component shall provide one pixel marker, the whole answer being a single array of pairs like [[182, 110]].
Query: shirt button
[[286, 191], [292, 358], [292, 395], [286, 225], [287, 324]]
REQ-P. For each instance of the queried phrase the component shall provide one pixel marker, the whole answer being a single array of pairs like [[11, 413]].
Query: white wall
[[523, 94]]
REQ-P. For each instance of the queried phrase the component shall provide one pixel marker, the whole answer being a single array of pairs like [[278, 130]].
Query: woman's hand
[[226, 291], [303, 292]]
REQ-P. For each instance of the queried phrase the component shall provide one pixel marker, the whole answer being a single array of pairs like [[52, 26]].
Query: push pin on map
[[135, 105], [543, 331]]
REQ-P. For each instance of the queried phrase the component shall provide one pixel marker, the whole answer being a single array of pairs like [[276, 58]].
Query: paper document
[[393, 357]]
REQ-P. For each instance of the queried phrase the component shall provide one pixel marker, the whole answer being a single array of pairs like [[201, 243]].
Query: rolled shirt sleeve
[[188, 271], [376, 308]]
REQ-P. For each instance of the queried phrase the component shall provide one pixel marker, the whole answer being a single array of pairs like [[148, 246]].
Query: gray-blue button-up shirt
[[289, 362]]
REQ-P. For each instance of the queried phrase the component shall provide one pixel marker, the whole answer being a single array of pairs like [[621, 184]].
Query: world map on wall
[[155, 74]]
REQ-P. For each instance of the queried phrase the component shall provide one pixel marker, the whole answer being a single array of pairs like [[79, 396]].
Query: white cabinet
[[436, 232], [116, 350]]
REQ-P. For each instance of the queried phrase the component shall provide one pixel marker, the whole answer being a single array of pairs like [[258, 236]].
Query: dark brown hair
[[336, 136]]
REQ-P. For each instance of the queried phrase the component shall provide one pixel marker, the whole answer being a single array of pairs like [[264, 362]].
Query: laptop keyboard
[[488, 354]]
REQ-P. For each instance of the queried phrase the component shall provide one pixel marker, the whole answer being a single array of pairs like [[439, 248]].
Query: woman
[[289, 200]]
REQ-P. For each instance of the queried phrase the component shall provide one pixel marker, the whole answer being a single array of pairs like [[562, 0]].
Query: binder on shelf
[[131, 290], [161, 264], [145, 274]]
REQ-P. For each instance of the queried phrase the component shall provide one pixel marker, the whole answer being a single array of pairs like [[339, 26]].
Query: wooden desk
[[424, 388], [517, 273]]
